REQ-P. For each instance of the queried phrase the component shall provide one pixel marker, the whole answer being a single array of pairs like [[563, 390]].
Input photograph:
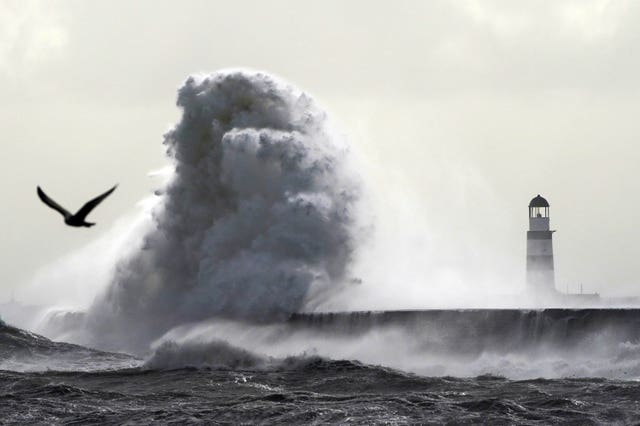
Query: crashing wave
[[221, 355], [216, 354], [257, 222]]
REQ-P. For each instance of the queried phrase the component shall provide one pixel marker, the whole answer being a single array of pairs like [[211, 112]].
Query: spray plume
[[257, 221]]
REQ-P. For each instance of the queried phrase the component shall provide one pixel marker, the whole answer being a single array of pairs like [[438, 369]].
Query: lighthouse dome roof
[[538, 201]]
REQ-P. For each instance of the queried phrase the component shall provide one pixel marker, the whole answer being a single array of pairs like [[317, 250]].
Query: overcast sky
[[460, 112]]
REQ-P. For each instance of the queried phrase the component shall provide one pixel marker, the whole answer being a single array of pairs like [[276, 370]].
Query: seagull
[[77, 219]]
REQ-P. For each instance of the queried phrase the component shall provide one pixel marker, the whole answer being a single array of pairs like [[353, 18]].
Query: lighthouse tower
[[540, 276]]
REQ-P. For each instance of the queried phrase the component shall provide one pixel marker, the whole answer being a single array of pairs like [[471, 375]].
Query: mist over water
[[518, 344], [264, 214]]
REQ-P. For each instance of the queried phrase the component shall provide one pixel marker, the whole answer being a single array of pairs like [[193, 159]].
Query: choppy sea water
[[315, 391], [44, 382]]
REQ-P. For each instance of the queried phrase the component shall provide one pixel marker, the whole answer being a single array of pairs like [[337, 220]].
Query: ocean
[[44, 382], [312, 391]]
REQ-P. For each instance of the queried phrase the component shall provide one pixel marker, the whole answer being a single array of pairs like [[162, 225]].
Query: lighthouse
[[540, 275]]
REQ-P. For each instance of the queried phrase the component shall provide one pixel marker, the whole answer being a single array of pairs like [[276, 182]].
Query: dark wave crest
[[21, 350]]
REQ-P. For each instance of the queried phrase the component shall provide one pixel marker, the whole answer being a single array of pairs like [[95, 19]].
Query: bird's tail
[[88, 224]]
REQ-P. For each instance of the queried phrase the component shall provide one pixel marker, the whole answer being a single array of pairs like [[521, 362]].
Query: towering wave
[[257, 221]]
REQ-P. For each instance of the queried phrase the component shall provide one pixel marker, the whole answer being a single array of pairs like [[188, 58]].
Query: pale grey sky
[[460, 112]]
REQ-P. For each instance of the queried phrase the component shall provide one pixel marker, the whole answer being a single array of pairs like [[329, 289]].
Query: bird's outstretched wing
[[90, 205], [49, 202]]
